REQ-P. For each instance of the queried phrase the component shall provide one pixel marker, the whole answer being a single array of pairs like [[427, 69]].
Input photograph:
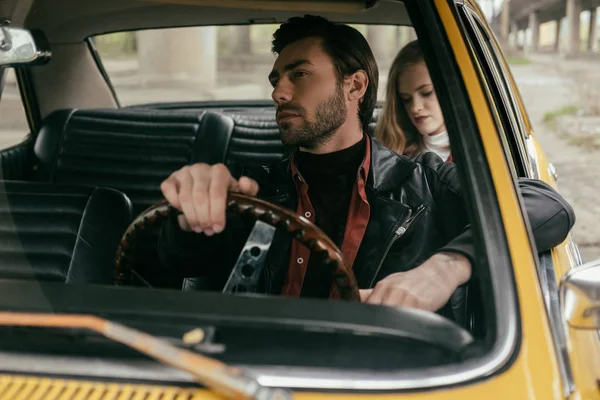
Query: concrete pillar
[[186, 56], [412, 34], [401, 35], [405, 35], [592, 41], [398, 37], [557, 35], [514, 36], [522, 39], [573, 38], [505, 24], [534, 29], [241, 42], [377, 36]]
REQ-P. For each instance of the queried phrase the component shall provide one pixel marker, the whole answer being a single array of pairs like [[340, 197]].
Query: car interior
[[89, 165]]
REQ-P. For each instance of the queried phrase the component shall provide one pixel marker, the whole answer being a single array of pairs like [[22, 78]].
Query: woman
[[412, 123], [412, 120]]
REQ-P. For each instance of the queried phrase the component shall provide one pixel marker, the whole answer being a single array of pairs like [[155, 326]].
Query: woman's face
[[420, 101]]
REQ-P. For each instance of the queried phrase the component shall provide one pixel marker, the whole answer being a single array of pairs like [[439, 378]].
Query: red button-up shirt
[[356, 225]]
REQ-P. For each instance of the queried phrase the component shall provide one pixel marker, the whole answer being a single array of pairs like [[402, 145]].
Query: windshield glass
[[123, 121], [213, 62]]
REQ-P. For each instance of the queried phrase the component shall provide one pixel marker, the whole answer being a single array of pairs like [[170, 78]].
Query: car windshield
[[130, 97]]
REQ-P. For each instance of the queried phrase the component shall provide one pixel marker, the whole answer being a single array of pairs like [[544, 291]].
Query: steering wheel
[[273, 215]]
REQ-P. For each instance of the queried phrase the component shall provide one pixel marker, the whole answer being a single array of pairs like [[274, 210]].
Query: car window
[[494, 74], [13, 119], [95, 169], [228, 63]]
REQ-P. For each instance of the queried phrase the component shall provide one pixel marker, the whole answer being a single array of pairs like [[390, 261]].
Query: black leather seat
[[254, 140], [15, 160], [131, 151], [62, 233]]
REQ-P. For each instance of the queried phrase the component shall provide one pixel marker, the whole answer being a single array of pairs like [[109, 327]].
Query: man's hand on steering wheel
[[199, 191]]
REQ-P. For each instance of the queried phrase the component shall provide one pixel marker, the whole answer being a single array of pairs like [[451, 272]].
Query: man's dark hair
[[346, 46]]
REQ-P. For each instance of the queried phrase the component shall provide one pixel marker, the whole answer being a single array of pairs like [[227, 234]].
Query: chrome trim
[[580, 296], [425, 378], [533, 158], [552, 171], [90, 367], [288, 377], [573, 252], [549, 286]]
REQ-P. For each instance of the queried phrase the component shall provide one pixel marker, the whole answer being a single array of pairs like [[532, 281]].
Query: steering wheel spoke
[[252, 259]]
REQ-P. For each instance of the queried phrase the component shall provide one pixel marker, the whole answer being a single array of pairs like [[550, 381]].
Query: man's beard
[[329, 116]]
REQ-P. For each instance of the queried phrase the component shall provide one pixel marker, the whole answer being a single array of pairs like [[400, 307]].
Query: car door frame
[[551, 264]]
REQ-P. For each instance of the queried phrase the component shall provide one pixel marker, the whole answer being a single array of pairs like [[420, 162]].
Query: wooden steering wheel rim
[[299, 227]]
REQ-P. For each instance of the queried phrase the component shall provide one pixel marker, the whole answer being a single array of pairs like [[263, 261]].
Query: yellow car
[[117, 94]]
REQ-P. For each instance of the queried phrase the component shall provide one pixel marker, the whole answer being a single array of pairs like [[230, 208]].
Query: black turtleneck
[[330, 178]]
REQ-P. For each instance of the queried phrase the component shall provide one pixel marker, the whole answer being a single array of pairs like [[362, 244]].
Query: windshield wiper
[[230, 382]]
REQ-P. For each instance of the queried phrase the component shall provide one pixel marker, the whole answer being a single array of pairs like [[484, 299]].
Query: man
[[401, 224]]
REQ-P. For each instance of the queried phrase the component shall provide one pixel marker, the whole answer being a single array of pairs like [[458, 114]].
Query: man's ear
[[358, 83]]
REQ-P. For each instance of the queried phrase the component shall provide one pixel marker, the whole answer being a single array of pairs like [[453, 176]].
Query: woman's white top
[[439, 144]]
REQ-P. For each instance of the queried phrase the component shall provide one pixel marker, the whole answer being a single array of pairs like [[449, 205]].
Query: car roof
[[69, 21]]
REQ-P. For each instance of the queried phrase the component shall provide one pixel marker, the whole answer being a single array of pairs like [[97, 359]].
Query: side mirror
[[580, 296], [23, 47]]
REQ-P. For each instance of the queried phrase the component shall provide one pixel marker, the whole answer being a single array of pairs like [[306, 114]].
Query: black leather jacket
[[423, 196]]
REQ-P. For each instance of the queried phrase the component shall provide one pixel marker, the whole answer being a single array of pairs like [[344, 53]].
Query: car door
[[577, 351]]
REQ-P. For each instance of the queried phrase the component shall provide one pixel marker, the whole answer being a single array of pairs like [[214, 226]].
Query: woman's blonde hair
[[394, 128]]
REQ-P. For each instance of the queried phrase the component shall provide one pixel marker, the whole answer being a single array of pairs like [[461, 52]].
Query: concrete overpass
[[522, 15]]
